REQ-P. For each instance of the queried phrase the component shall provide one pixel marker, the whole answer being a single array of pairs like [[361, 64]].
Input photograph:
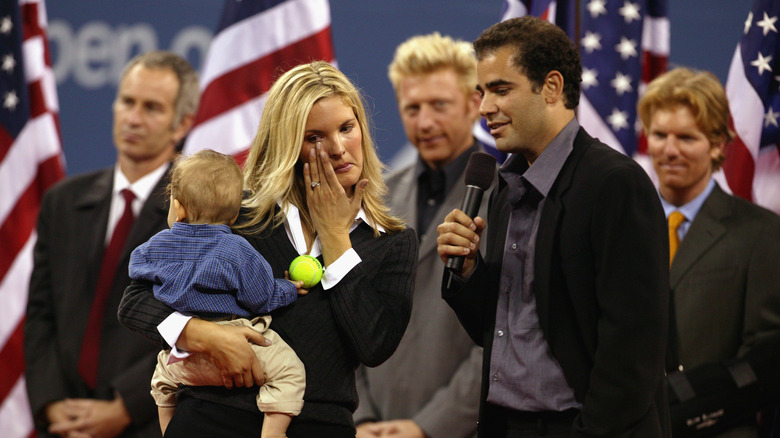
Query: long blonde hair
[[272, 170]]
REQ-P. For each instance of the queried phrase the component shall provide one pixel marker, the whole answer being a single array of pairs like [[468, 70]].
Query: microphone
[[479, 176]]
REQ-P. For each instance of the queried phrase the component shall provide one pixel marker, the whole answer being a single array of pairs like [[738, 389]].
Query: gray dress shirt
[[523, 373]]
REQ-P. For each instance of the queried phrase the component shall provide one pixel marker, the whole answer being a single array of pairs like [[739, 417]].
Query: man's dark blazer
[[71, 239], [601, 285], [725, 281]]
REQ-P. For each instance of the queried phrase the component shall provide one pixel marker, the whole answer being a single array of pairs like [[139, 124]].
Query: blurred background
[[92, 39]]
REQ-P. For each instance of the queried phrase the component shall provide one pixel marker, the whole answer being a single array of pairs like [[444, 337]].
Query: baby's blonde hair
[[209, 186]]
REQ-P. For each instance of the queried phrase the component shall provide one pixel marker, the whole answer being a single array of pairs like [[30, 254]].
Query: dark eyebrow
[[497, 83]]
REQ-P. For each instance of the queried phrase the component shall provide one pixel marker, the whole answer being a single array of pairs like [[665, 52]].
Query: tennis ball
[[307, 269]]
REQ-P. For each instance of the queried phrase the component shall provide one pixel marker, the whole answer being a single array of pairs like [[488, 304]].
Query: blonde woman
[[316, 188]]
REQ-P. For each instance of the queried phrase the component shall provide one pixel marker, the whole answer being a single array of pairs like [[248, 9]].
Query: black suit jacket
[[601, 287], [71, 231]]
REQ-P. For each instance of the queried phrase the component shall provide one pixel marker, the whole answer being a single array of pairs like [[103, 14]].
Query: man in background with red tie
[[86, 374], [725, 260]]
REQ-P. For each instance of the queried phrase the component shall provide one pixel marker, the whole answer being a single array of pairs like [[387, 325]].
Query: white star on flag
[[770, 118], [8, 63], [767, 24], [6, 25], [626, 48], [597, 7], [589, 78], [630, 11], [618, 119], [748, 22], [591, 42], [621, 83], [11, 100], [762, 63]]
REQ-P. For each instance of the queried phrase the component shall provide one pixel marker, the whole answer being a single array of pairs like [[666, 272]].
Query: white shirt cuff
[[340, 268], [170, 329]]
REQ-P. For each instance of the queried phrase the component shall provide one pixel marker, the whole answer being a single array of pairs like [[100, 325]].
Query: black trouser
[[510, 423], [201, 418]]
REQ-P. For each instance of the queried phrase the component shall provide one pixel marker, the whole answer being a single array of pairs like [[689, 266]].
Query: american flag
[[30, 162], [624, 44], [752, 166], [256, 41]]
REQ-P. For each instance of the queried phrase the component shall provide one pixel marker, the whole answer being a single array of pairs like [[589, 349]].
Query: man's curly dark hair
[[540, 47]]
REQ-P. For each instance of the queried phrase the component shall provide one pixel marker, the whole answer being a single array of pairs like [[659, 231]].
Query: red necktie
[[88, 360]]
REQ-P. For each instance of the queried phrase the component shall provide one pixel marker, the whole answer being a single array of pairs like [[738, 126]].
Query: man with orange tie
[[86, 374], [725, 260]]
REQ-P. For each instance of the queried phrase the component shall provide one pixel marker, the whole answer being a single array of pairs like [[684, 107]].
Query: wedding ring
[[314, 184]]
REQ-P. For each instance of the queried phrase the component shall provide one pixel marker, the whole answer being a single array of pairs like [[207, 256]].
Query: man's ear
[[473, 100], [232, 221], [181, 212], [717, 152], [180, 131], [552, 89]]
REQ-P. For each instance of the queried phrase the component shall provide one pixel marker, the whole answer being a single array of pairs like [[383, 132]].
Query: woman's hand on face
[[330, 206], [332, 211]]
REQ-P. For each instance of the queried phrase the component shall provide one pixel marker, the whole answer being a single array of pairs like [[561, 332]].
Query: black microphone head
[[480, 170]]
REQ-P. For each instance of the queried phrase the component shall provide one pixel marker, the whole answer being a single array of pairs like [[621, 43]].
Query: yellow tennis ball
[[307, 269]]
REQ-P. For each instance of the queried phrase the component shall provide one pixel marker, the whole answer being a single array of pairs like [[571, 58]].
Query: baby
[[200, 268]]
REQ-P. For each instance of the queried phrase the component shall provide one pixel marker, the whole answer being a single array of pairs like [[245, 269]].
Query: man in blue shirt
[[725, 289], [200, 267]]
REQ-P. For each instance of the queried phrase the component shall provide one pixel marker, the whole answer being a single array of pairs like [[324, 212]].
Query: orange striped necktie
[[675, 220]]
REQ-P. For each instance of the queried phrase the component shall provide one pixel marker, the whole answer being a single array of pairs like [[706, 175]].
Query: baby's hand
[[298, 284]]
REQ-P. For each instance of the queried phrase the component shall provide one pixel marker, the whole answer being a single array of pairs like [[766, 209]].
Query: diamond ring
[[314, 184]]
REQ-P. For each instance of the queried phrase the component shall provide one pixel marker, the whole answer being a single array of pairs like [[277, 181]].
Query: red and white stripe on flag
[[30, 162], [752, 166], [257, 41]]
